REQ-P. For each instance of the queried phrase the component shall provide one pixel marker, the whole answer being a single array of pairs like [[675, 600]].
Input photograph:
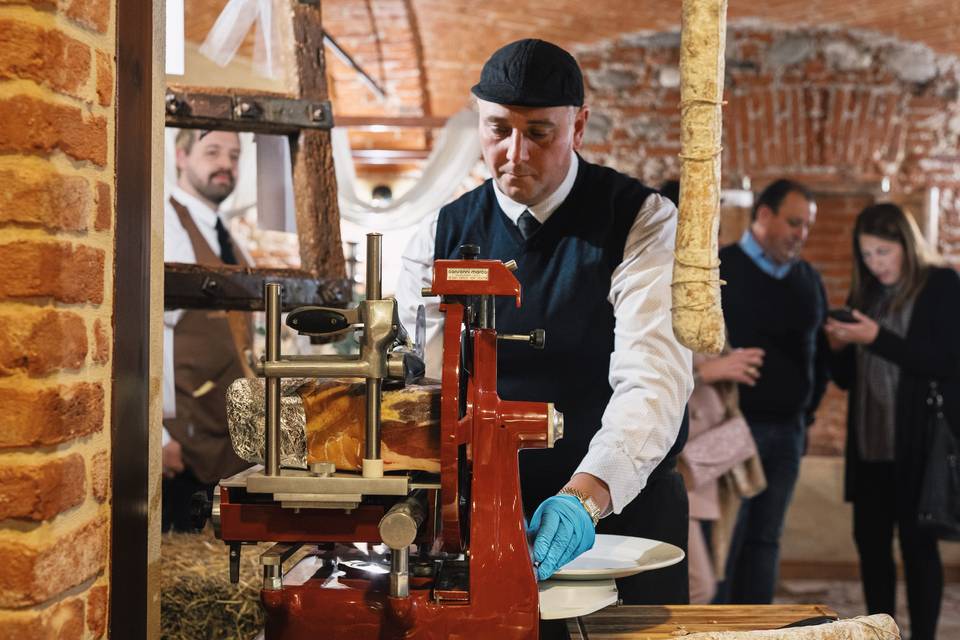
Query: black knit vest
[[782, 317], [565, 270]]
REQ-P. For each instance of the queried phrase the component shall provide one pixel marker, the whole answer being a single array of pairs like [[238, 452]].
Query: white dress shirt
[[650, 372]]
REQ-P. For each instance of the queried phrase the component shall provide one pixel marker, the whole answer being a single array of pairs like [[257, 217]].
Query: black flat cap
[[531, 73]]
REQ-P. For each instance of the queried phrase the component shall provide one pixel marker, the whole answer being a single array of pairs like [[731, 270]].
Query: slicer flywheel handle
[[537, 338]]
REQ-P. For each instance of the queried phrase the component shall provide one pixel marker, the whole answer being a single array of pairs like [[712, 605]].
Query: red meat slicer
[[471, 576]]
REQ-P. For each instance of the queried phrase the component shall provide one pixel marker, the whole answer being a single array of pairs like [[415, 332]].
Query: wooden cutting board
[[643, 622]]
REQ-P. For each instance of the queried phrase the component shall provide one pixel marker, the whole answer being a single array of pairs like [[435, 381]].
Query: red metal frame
[[502, 599]]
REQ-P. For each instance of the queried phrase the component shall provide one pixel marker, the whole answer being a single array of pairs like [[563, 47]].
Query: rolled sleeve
[[651, 373]]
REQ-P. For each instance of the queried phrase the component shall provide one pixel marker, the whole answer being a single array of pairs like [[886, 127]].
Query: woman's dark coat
[[929, 350]]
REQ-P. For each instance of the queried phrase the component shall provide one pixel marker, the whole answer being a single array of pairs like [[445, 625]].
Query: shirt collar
[[756, 253], [199, 209], [545, 208]]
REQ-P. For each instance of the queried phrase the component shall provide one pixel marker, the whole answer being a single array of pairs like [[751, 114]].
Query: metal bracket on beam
[[191, 286], [196, 109]]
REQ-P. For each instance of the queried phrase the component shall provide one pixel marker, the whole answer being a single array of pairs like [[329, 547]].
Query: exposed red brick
[[93, 14], [100, 475], [104, 78], [59, 270], [104, 219], [41, 491], [39, 4], [51, 415], [39, 196], [31, 125], [31, 573], [41, 343], [101, 351], [47, 56], [60, 621], [97, 610]]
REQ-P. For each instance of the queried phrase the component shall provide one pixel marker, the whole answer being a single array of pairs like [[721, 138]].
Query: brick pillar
[[57, 179]]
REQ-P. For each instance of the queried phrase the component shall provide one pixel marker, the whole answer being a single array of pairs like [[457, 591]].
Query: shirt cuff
[[165, 437], [617, 468]]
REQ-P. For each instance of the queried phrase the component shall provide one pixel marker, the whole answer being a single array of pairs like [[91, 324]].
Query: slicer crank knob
[[538, 338], [469, 251]]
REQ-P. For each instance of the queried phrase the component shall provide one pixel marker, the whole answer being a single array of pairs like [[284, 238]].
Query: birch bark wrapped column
[[697, 316]]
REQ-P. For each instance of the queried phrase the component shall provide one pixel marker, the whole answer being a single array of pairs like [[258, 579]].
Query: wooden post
[[314, 181]]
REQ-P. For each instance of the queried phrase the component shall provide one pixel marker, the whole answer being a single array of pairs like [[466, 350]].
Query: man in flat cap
[[595, 255]]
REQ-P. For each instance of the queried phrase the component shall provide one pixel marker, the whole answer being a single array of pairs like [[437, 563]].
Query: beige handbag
[[717, 450]]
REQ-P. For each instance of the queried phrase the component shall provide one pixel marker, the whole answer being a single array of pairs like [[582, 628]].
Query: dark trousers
[[754, 559], [177, 494], [660, 512], [875, 516]]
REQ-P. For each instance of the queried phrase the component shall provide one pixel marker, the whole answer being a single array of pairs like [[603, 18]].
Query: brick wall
[[383, 38], [835, 108], [56, 280]]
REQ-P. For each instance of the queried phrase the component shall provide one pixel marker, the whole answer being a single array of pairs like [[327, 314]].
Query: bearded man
[[201, 352]]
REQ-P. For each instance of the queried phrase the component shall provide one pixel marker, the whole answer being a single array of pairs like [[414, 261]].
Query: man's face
[[209, 170], [782, 233], [527, 149]]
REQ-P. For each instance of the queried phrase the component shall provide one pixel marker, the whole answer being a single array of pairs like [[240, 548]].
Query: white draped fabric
[[232, 26], [455, 152]]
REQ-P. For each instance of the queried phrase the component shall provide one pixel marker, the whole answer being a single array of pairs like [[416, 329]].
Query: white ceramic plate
[[618, 557], [559, 600]]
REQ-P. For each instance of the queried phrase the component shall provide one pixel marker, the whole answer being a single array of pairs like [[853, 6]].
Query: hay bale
[[197, 600]]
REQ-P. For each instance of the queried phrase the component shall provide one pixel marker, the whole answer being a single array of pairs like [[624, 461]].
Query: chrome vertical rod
[[400, 573], [372, 449], [374, 265], [374, 385], [271, 451]]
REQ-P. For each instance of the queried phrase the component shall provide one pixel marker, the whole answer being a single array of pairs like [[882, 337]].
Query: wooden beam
[[129, 568], [314, 181], [233, 110], [193, 286], [388, 156], [391, 122]]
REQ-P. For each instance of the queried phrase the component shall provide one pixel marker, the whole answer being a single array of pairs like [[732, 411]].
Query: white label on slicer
[[477, 275]]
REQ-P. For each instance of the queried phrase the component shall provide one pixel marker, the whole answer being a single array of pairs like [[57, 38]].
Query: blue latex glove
[[563, 530]]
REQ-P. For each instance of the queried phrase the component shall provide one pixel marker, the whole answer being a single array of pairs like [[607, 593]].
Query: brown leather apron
[[208, 351]]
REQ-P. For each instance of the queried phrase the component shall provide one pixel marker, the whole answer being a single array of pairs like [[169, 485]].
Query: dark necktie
[[226, 245], [527, 224]]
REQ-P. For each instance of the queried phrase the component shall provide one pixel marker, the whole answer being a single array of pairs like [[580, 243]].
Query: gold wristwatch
[[588, 503]]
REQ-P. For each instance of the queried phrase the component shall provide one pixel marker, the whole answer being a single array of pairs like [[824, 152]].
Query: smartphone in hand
[[841, 315]]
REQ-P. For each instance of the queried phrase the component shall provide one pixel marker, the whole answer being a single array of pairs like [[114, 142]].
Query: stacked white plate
[[587, 583]]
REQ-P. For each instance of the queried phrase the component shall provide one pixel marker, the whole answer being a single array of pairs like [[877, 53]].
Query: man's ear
[[764, 214], [181, 160], [580, 126]]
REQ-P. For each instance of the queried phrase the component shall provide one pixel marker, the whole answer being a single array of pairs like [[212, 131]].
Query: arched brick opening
[[383, 37], [838, 109]]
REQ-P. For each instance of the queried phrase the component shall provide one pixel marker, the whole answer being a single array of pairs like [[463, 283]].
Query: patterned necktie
[[527, 224], [226, 245]]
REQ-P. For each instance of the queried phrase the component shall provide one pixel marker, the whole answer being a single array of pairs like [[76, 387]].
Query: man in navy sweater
[[594, 250], [773, 300]]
